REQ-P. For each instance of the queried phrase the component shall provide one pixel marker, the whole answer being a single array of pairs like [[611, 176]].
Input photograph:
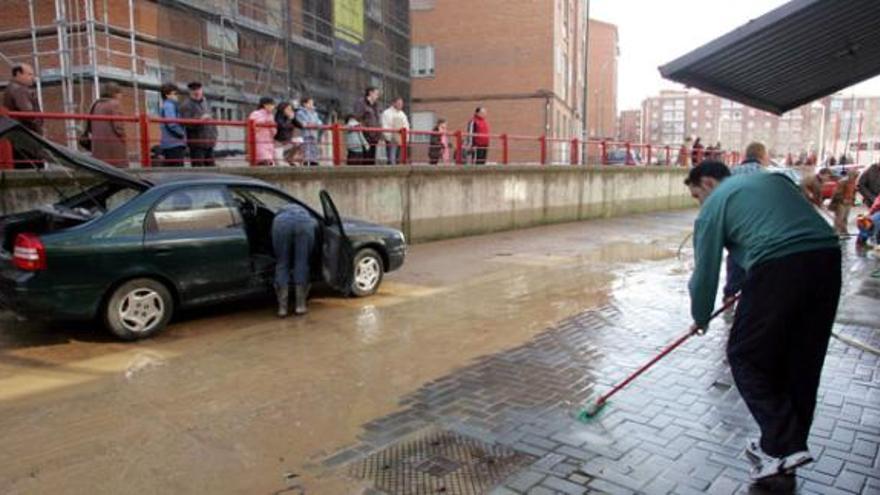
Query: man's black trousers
[[778, 342]]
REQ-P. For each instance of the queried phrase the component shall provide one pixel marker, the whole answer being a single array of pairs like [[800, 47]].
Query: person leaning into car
[[293, 237]]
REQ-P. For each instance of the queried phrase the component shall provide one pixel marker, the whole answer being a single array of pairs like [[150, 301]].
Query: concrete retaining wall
[[439, 202]]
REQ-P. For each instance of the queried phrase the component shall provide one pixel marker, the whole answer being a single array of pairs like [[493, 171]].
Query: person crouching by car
[[293, 237]]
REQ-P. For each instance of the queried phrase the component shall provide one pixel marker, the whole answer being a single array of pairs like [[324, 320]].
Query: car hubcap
[[366, 274], [140, 310]]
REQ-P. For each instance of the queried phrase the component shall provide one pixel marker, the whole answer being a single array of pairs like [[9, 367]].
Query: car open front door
[[337, 254]]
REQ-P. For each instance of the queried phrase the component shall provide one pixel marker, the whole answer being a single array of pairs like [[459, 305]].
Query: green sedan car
[[130, 250]]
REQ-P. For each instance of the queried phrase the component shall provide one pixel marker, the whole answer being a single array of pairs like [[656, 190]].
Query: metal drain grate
[[440, 462]]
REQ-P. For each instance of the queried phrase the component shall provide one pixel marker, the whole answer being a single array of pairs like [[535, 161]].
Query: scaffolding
[[240, 50]]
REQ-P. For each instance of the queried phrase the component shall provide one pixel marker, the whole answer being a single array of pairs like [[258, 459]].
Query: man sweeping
[[780, 333]]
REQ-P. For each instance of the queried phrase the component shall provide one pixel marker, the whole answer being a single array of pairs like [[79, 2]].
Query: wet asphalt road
[[230, 399]]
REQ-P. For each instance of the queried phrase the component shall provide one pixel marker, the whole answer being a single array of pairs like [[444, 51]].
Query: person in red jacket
[[478, 136]]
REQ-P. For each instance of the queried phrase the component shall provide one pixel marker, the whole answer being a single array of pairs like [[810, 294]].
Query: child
[[869, 225], [355, 141]]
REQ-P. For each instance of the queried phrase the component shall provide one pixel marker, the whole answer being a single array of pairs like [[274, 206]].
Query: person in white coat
[[394, 118]]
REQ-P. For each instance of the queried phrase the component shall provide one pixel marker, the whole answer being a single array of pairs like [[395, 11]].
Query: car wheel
[[138, 309], [368, 270]]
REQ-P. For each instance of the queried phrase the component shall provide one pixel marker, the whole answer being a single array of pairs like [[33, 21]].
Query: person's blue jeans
[[293, 237], [392, 150], [864, 236], [736, 275]]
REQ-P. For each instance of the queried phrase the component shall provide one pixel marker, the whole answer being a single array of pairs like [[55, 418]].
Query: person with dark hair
[[366, 111], [287, 125], [200, 138], [311, 121], [108, 136], [21, 96], [355, 142], [478, 136], [787, 307], [869, 184], [264, 153], [697, 152], [173, 140], [438, 148]]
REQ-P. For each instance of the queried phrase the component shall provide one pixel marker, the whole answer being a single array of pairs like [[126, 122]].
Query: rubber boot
[[300, 293], [283, 296]]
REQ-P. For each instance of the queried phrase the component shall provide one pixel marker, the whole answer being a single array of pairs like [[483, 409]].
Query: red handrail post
[[604, 147], [543, 142], [336, 133], [404, 146], [251, 138], [575, 150], [459, 148], [505, 150], [648, 162], [144, 126]]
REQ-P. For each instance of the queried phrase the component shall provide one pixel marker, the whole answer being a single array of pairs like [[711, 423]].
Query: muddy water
[[230, 403]]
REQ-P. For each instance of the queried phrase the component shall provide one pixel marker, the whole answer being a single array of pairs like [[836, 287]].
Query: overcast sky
[[654, 32]]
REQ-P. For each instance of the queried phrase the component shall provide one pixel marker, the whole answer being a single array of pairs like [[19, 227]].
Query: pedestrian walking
[[287, 125], [355, 142], [777, 344], [21, 96], [108, 136], [366, 111], [200, 138], [311, 121], [172, 142], [438, 148], [478, 136], [264, 151], [697, 152], [293, 238], [869, 184], [684, 153], [842, 201], [394, 118]]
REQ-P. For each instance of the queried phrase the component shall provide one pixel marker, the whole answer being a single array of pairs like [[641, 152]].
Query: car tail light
[[29, 253]]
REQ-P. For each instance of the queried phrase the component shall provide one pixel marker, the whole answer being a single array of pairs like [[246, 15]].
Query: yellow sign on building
[[348, 20]]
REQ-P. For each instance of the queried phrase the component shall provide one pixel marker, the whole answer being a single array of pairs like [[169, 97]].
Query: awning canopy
[[798, 53]]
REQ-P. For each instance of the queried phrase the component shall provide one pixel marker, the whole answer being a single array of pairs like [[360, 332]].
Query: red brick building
[[602, 80], [629, 128], [239, 49], [523, 61]]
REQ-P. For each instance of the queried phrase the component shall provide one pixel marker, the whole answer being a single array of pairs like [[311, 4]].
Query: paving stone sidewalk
[[680, 428]]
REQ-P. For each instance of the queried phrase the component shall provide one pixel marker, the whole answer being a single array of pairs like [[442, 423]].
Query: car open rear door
[[337, 254]]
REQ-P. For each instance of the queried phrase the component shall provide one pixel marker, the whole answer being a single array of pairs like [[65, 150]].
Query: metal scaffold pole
[[35, 50], [64, 66]]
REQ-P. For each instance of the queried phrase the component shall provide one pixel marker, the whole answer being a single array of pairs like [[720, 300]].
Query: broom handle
[[671, 347]]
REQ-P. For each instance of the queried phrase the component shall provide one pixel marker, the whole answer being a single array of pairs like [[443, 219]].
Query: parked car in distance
[[131, 250], [620, 157]]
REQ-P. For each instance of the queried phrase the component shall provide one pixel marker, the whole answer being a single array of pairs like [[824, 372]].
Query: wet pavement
[[496, 338]]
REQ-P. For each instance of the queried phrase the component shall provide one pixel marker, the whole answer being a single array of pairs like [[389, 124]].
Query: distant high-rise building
[[602, 80], [673, 115]]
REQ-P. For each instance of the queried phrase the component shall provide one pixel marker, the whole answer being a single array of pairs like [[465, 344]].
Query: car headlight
[[402, 237]]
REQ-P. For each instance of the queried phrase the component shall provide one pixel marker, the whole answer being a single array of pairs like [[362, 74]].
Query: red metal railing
[[246, 142]]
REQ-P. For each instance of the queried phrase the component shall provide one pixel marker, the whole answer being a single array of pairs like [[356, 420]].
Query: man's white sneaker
[[796, 460], [763, 464]]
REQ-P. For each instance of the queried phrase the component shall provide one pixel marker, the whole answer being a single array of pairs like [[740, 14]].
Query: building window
[[708, 114], [222, 38], [679, 103], [422, 61], [422, 4], [694, 125]]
